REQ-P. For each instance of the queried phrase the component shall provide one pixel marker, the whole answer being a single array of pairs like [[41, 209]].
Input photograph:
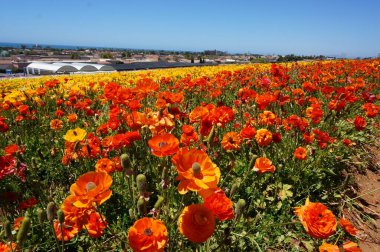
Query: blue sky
[[309, 27]]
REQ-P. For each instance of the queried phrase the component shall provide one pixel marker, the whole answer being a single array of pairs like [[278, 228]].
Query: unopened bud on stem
[[51, 211], [141, 183], [23, 232]]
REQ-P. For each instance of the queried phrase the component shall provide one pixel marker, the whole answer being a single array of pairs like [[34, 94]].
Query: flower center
[[75, 133], [196, 168], [162, 144], [148, 232], [90, 185], [200, 219]]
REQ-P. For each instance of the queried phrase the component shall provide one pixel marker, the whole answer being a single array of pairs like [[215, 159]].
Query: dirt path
[[365, 210], [369, 203]]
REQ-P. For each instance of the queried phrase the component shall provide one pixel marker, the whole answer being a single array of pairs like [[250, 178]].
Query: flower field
[[224, 158]]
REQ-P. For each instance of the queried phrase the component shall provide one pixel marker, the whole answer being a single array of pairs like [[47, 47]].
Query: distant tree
[[75, 56], [192, 59], [23, 47], [123, 55], [106, 55]]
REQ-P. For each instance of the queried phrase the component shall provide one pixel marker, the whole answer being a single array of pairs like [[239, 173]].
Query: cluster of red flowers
[[10, 163]]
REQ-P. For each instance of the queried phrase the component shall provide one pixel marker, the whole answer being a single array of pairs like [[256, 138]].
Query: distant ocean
[[68, 47]]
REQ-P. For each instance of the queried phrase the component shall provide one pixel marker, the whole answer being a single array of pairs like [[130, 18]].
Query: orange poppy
[[66, 230], [91, 187], [371, 110], [95, 225], [266, 118], [148, 234], [347, 226], [198, 114], [263, 164], [163, 145], [188, 135], [6, 247], [308, 137], [325, 247], [17, 223], [75, 214], [350, 246], [105, 165], [231, 141], [248, 132], [263, 137], [56, 124], [318, 221], [220, 205], [197, 223], [195, 170], [72, 118], [315, 112], [348, 142], [300, 153]]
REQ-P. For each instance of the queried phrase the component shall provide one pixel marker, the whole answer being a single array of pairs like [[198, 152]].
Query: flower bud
[[125, 162], [41, 216], [239, 208], [18, 140], [34, 163], [51, 210], [131, 214], [252, 162], [8, 230], [23, 232], [40, 154], [123, 245], [234, 187], [159, 202], [61, 216], [141, 206], [141, 183]]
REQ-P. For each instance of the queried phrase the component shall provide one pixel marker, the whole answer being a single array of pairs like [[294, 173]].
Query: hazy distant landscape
[[194, 126]]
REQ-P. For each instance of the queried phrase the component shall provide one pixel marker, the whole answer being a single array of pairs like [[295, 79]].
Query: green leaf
[[285, 192], [308, 245]]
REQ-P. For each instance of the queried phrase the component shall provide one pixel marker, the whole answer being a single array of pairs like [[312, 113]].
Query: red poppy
[[220, 205], [360, 123], [28, 203]]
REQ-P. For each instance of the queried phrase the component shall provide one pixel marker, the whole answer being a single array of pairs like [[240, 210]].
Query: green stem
[[55, 236], [105, 224]]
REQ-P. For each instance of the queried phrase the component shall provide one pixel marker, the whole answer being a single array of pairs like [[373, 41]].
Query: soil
[[365, 214]]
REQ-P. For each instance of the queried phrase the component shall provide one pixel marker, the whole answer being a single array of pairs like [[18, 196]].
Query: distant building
[[41, 68]]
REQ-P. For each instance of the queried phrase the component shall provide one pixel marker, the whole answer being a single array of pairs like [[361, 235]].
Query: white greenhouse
[[41, 68]]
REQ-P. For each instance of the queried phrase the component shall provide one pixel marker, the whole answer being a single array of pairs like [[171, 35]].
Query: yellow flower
[[75, 135]]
